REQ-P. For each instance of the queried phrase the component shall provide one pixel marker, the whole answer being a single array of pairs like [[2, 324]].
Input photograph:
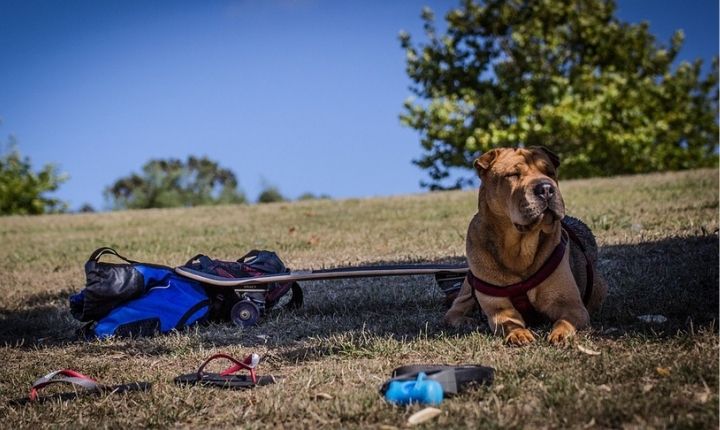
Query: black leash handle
[[453, 379]]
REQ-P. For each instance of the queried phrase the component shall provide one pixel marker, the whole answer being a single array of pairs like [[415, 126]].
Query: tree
[[86, 208], [312, 196], [270, 194], [566, 74], [22, 191], [173, 183]]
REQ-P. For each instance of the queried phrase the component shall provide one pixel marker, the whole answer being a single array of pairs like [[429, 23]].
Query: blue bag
[[172, 303], [136, 299]]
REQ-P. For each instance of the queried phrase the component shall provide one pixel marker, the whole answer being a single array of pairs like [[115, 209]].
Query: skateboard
[[248, 293]]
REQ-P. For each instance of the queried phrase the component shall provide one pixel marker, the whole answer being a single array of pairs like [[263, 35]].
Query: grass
[[659, 251]]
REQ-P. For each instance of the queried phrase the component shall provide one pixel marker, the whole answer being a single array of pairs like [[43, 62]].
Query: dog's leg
[[463, 303], [512, 327], [573, 315], [505, 320], [569, 316], [558, 298]]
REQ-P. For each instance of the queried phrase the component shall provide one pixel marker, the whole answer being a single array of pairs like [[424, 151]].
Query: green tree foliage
[[86, 208], [313, 196], [22, 191], [270, 194], [174, 183], [566, 74]]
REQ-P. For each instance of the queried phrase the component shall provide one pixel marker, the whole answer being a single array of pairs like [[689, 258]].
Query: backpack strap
[[95, 256], [195, 258], [249, 256]]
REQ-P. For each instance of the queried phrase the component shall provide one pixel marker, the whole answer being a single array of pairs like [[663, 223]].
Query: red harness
[[517, 293]]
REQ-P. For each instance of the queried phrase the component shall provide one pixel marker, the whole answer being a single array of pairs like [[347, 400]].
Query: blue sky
[[303, 94]]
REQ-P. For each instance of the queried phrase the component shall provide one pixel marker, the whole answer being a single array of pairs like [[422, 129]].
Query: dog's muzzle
[[543, 205]]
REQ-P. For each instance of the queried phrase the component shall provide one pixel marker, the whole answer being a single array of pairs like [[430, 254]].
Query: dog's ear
[[554, 159], [484, 162]]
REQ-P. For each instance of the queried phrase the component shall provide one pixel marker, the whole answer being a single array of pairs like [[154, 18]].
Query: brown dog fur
[[515, 230]]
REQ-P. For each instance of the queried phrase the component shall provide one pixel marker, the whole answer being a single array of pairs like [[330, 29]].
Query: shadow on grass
[[43, 318], [676, 278]]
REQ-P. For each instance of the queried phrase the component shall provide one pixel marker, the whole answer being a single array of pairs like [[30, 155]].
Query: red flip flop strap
[[249, 363], [237, 365], [68, 376]]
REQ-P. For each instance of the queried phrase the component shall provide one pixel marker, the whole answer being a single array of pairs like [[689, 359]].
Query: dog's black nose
[[544, 190]]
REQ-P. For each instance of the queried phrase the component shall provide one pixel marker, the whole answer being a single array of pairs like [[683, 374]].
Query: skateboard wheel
[[244, 313]]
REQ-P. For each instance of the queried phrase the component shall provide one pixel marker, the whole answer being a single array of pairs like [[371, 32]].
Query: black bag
[[107, 285], [253, 264]]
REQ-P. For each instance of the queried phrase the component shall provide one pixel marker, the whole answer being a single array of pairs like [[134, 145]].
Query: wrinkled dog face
[[521, 184]]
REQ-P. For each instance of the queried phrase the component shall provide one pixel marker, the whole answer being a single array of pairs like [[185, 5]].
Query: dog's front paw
[[561, 333], [519, 337]]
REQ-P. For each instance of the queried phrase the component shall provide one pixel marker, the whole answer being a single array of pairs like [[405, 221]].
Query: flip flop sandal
[[77, 379], [228, 378], [453, 379]]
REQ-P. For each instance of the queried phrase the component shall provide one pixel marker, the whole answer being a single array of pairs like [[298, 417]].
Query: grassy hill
[[659, 251]]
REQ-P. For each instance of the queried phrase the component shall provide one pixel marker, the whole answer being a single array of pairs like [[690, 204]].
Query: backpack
[[136, 299], [253, 264]]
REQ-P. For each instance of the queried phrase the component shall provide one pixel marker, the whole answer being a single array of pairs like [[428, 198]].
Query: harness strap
[[517, 293], [522, 304], [522, 287]]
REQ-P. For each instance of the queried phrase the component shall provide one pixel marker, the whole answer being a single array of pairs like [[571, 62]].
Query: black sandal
[[228, 378], [77, 379]]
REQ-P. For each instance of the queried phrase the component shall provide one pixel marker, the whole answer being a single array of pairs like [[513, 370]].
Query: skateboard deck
[[449, 277], [443, 270]]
